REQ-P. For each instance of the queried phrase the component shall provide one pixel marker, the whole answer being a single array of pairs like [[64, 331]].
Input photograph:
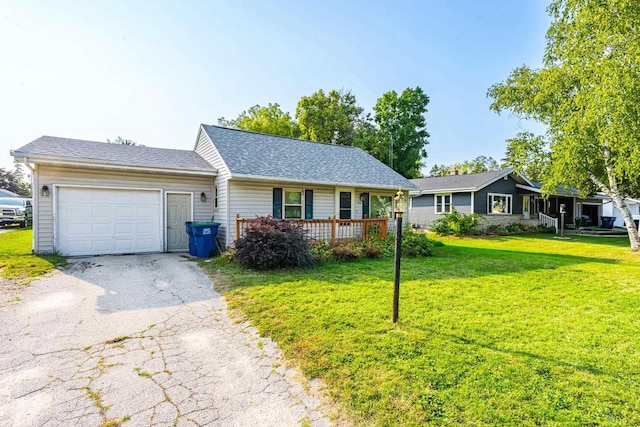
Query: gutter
[[325, 183]]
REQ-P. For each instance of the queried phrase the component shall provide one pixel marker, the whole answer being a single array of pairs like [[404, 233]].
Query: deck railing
[[331, 230], [547, 220]]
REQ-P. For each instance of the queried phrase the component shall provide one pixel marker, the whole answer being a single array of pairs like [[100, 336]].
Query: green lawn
[[512, 331], [16, 260]]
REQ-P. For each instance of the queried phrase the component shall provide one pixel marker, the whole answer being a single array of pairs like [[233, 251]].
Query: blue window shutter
[[277, 203], [365, 205], [308, 204]]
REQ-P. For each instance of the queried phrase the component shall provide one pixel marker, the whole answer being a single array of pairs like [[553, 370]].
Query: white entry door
[[100, 221], [178, 212]]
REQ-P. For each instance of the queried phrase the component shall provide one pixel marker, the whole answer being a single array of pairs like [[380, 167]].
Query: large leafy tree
[[529, 155], [14, 180], [270, 120], [330, 117], [403, 130], [587, 93]]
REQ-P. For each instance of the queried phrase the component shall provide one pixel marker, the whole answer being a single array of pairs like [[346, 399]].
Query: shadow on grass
[[448, 262]]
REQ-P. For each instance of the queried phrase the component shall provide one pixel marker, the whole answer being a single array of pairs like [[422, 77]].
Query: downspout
[[34, 204]]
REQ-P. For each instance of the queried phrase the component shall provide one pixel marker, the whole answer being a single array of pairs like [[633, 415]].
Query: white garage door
[[93, 221]]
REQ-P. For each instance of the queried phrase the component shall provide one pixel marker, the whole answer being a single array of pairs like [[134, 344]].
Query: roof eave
[[35, 159], [313, 182]]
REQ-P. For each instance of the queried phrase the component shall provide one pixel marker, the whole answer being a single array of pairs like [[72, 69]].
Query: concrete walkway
[[144, 340]]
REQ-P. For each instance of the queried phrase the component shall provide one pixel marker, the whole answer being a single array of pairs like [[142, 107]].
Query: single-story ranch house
[[500, 196], [94, 198]]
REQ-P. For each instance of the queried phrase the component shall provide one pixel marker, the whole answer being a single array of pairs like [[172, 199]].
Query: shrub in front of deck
[[269, 244]]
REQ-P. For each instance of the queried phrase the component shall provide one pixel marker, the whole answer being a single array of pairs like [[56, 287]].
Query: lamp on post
[[399, 209]]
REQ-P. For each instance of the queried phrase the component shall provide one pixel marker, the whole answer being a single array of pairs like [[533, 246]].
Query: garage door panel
[[108, 221]]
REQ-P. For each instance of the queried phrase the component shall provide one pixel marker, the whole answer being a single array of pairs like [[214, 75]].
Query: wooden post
[[333, 230], [237, 226]]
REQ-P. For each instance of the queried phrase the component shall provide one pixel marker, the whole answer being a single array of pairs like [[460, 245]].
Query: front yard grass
[[18, 263], [522, 330]]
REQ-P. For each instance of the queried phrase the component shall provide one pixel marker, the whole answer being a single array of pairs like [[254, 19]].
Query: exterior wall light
[[203, 197], [44, 191]]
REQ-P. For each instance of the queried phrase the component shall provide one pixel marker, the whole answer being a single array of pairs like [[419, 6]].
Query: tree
[[477, 165], [587, 93], [528, 154], [270, 120], [121, 140], [328, 118], [403, 130], [14, 181]]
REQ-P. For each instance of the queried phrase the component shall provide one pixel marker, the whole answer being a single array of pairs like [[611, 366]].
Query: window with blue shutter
[[277, 203], [308, 204]]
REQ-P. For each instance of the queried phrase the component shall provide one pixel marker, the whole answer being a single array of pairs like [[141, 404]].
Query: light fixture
[[401, 203], [44, 191], [203, 197], [363, 196]]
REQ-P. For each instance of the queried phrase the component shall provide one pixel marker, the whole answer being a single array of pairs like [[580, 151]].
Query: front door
[[526, 206], [178, 212]]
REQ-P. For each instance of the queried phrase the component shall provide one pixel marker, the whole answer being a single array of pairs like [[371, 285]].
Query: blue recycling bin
[[607, 221], [204, 234], [192, 238]]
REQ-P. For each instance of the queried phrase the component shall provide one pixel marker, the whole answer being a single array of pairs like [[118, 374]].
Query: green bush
[[416, 244], [346, 252], [547, 230], [496, 230], [456, 223]]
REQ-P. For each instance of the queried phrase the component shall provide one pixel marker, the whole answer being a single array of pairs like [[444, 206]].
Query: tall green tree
[[403, 130], [587, 93], [270, 120], [528, 154], [123, 141], [330, 117], [14, 180], [477, 165]]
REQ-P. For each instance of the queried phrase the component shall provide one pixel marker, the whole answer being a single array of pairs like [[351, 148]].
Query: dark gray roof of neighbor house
[[106, 153], [469, 182], [275, 157]]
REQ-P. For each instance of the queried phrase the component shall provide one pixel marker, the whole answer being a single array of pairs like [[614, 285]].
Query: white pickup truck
[[15, 210]]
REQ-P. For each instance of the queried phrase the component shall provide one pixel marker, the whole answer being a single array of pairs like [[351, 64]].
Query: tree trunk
[[634, 239], [613, 192]]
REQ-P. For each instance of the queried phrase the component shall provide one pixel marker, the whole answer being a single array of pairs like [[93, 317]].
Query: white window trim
[[285, 204], [436, 205], [490, 205]]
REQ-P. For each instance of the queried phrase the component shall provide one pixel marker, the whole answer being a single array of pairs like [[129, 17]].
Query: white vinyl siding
[[95, 178], [205, 148], [251, 199]]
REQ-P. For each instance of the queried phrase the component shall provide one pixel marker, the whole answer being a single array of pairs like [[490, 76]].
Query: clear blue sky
[[152, 71]]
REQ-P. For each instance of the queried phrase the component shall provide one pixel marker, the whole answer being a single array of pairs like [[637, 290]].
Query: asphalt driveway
[[140, 339]]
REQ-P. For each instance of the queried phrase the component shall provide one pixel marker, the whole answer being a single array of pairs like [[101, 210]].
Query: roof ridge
[[281, 137]]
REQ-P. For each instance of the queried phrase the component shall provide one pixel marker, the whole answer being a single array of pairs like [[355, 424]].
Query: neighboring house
[[98, 198], [609, 209], [501, 197]]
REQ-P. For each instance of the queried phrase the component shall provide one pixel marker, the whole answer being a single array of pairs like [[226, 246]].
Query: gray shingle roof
[[105, 153], [473, 181], [276, 157]]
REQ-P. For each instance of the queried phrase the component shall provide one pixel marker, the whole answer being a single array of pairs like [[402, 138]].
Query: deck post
[[237, 226], [334, 222]]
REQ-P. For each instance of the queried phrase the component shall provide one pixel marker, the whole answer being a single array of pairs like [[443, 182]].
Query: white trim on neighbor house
[[473, 203], [92, 164], [165, 238], [440, 207], [509, 202], [54, 200]]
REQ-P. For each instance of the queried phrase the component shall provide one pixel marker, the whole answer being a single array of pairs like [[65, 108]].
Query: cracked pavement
[[141, 340]]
